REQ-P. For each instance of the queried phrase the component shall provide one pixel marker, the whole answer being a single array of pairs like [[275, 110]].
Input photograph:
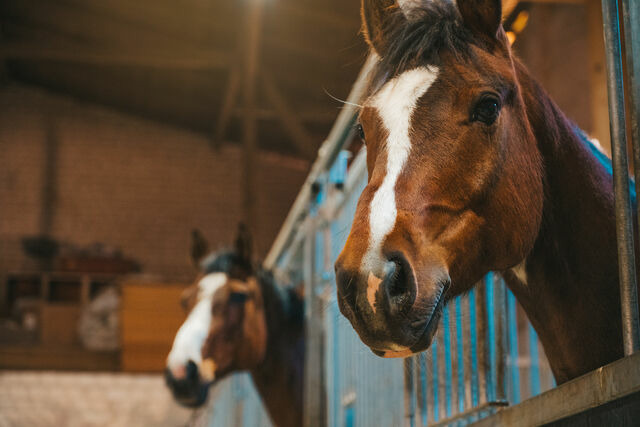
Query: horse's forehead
[[209, 284], [396, 100]]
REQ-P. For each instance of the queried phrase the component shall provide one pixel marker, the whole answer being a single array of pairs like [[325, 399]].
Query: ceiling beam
[[228, 104], [319, 115], [112, 57], [251, 50], [290, 120]]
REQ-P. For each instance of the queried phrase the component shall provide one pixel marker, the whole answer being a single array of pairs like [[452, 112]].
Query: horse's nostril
[[192, 371], [399, 285]]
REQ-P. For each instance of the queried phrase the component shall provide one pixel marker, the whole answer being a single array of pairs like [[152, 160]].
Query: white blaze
[[395, 104], [187, 346]]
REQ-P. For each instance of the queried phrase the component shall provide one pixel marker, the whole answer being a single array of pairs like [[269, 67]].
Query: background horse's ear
[[377, 16], [243, 244], [199, 247], [482, 17]]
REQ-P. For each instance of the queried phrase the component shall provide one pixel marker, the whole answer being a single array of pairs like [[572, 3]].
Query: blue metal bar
[[491, 338], [335, 317], [422, 366], [624, 223], [534, 371], [459, 339], [447, 359], [513, 347], [474, 352], [436, 379]]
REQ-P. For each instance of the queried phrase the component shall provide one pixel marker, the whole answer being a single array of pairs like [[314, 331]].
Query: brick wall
[[126, 182]]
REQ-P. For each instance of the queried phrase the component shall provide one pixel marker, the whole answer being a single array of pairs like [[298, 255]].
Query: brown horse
[[473, 168], [240, 320]]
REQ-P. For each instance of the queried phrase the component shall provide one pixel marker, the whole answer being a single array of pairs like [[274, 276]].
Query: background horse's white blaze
[[187, 346], [395, 104]]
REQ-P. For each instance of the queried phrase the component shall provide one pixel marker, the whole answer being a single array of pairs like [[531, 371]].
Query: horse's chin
[[425, 337], [193, 400]]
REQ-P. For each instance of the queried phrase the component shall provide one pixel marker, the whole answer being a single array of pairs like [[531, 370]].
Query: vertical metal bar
[[631, 19], [490, 346], [432, 402], [512, 324], [454, 345], [484, 379], [442, 376], [624, 227], [500, 293], [446, 350], [422, 390], [461, 348], [473, 349], [314, 387], [534, 370], [409, 391], [435, 375]]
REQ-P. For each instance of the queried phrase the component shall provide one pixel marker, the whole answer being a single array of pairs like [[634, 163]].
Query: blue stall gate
[[485, 354]]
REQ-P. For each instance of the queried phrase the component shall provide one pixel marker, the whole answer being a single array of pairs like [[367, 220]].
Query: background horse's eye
[[486, 111], [360, 131]]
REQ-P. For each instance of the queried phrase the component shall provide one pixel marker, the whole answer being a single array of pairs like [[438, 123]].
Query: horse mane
[[418, 36], [603, 159], [225, 261]]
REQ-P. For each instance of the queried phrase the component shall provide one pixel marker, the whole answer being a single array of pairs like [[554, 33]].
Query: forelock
[[418, 36], [221, 262]]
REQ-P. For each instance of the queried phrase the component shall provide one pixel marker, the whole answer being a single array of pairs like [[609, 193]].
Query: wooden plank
[[603, 385], [145, 357], [597, 76], [253, 31], [150, 327], [202, 60], [150, 317], [59, 323], [149, 297]]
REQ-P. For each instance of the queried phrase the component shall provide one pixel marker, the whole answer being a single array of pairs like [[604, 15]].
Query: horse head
[[455, 176], [225, 330]]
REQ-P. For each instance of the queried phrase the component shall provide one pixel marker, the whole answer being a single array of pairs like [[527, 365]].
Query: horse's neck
[[570, 286], [278, 378]]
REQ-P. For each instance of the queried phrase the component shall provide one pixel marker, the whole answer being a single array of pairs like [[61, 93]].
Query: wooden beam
[[228, 104], [253, 31], [83, 55], [317, 115], [290, 120]]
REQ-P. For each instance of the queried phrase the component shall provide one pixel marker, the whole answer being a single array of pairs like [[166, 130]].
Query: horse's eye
[[360, 131], [486, 110]]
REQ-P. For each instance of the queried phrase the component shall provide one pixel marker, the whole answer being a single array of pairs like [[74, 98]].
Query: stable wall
[[125, 182]]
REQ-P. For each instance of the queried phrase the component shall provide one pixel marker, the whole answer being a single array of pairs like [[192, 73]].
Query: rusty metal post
[[631, 20], [624, 226]]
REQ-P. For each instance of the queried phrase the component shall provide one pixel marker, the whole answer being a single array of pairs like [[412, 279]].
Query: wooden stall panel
[[151, 315]]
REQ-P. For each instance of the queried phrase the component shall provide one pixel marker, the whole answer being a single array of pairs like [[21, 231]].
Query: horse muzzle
[[396, 315], [190, 390]]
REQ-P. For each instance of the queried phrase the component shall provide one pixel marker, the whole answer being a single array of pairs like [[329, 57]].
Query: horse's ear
[[376, 19], [482, 17], [244, 244], [199, 247]]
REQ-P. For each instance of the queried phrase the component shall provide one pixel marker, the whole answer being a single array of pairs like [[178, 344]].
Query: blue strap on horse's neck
[[603, 159]]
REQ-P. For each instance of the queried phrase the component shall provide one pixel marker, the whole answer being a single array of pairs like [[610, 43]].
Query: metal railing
[[485, 354]]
